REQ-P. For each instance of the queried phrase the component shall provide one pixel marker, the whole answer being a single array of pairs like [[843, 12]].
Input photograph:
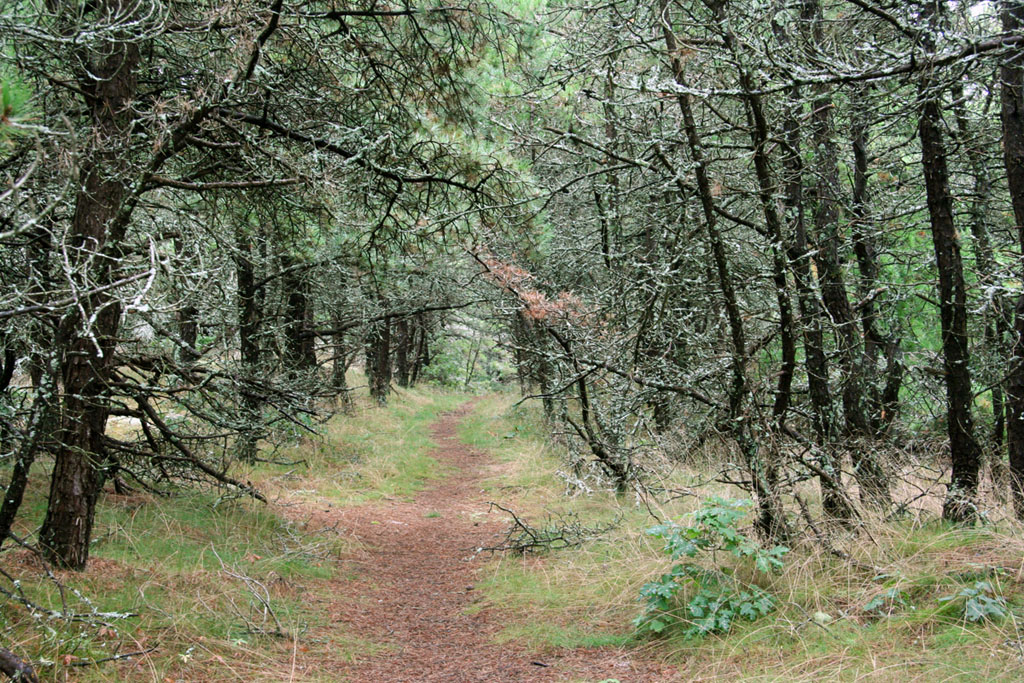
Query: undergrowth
[[718, 597], [916, 599], [371, 454]]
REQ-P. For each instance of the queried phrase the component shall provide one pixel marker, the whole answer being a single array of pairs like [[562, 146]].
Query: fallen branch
[[16, 668], [112, 658], [559, 533]]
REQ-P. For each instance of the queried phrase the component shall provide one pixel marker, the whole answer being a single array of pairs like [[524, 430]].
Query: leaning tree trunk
[[109, 84], [43, 409], [771, 518], [7, 363]]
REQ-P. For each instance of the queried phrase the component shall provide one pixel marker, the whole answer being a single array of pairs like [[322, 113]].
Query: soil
[[414, 589]]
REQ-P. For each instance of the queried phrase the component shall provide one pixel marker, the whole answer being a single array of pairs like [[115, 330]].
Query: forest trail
[[415, 584]]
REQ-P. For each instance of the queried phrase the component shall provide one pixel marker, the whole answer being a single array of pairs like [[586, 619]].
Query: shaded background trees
[[805, 206]]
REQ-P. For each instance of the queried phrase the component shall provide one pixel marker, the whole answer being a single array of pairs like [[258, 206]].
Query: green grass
[[206, 583], [576, 598], [195, 568], [193, 533], [372, 454], [542, 635], [226, 589], [587, 596]]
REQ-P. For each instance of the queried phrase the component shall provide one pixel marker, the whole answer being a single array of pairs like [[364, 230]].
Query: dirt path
[[415, 583]]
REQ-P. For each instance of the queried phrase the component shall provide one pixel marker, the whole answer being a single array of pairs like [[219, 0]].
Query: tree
[[172, 101], [1012, 117]]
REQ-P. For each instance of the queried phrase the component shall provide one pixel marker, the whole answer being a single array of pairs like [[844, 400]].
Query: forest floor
[[366, 566]]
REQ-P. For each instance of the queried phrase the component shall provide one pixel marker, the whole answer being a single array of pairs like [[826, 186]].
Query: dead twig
[[112, 658], [261, 603], [557, 533]]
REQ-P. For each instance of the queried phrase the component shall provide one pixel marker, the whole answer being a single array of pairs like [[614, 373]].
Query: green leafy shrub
[[886, 602], [718, 597], [981, 602]]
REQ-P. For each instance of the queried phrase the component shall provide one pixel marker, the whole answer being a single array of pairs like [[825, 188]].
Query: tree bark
[[43, 409], [882, 401], [985, 266], [422, 347], [188, 319], [403, 341], [339, 367], [833, 499], [378, 360], [1012, 116], [16, 668], [250, 302], [960, 505], [110, 84], [300, 344], [874, 485]]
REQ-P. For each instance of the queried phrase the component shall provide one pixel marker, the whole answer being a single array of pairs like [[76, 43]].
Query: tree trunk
[[833, 498], [960, 505], [188, 319], [403, 341], [16, 668], [874, 485], [520, 344], [882, 402], [43, 409], [300, 348], [95, 241], [992, 370], [339, 368], [1012, 116], [7, 363], [250, 317], [771, 519], [422, 347], [378, 360]]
